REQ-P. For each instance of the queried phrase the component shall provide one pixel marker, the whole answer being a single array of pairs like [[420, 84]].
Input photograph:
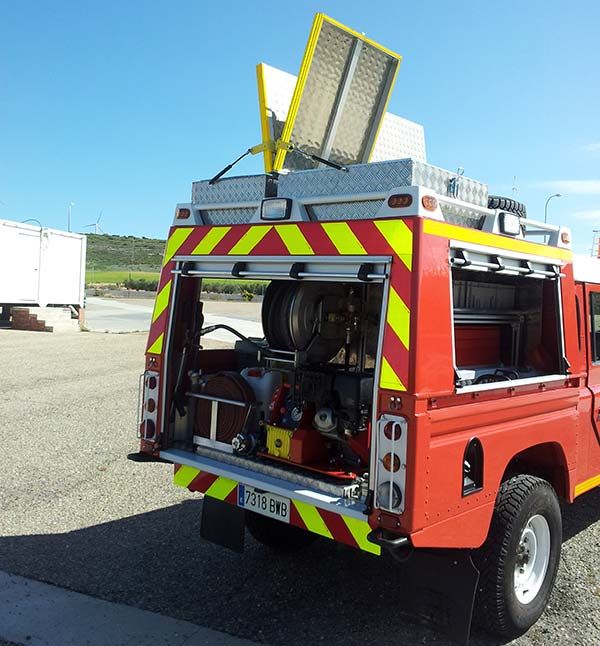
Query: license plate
[[263, 502]]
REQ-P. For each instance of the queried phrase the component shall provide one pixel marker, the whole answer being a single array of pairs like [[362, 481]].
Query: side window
[[595, 325]]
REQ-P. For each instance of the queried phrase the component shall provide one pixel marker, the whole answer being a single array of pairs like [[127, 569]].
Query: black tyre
[[277, 535], [520, 558], [507, 204]]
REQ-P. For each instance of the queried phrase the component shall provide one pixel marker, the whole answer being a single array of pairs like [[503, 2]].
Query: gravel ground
[[75, 512]]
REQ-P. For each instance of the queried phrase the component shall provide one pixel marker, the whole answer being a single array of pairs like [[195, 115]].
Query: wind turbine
[[95, 225]]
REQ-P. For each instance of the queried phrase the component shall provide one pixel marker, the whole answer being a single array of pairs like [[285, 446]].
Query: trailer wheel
[[520, 558], [277, 535], [507, 204]]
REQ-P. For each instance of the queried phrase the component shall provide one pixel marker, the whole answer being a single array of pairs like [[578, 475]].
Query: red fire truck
[[426, 382]]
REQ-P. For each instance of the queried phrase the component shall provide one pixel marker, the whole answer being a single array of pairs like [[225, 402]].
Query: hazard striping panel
[[356, 238], [345, 529], [340, 97]]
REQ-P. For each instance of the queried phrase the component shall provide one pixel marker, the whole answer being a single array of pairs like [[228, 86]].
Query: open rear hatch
[[289, 401]]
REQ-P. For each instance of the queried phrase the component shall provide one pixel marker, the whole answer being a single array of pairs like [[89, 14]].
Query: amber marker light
[[391, 462], [429, 202]]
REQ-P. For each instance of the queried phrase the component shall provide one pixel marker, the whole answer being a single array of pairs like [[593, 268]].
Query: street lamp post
[[546, 206], [71, 205]]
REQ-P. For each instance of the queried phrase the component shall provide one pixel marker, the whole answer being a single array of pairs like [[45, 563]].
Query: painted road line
[[44, 615]]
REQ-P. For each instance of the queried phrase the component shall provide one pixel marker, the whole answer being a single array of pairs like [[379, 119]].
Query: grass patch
[[118, 277]]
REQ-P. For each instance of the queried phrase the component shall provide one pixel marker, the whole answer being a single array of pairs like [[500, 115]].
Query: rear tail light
[[400, 201], [390, 471], [183, 214], [148, 407]]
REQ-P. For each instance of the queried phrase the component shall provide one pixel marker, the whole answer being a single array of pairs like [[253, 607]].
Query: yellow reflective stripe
[[398, 316], [587, 485], [493, 240], [312, 518], [221, 488], [294, 240], [211, 240], [343, 238], [178, 237], [156, 347], [389, 378], [184, 475], [359, 530], [249, 240], [399, 237], [161, 302]]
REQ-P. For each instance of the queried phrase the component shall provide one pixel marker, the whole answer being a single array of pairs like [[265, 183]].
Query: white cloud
[[592, 148], [575, 186], [590, 214]]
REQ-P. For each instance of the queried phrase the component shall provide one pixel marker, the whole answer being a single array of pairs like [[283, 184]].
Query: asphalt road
[[76, 513], [134, 315]]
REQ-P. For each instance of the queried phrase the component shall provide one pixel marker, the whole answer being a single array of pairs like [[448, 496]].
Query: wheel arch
[[546, 460]]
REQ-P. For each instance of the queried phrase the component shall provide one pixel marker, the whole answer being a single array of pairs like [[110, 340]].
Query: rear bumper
[[340, 519]]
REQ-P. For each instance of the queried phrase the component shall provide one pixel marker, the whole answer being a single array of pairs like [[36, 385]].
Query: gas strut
[[273, 147]]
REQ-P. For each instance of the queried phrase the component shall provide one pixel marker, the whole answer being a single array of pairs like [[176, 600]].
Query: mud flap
[[440, 590], [223, 524]]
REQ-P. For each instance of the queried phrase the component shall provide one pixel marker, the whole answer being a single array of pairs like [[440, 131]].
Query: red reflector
[[429, 202], [400, 201], [182, 214], [150, 405], [392, 430]]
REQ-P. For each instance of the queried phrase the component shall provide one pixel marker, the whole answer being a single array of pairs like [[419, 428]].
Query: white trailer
[[40, 266]]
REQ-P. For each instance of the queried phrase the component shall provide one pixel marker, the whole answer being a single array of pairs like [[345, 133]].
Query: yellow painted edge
[[162, 301], [294, 240], [221, 488], [587, 485], [156, 347], [176, 239], [312, 519], [299, 89], [389, 379], [359, 530], [210, 241], [264, 117], [343, 238], [453, 232], [398, 316], [184, 475]]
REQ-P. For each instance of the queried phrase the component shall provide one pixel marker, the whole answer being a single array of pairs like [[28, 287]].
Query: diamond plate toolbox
[[381, 177], [230, 190]]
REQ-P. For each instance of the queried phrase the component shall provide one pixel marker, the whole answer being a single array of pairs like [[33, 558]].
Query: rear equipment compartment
[[280, 420]]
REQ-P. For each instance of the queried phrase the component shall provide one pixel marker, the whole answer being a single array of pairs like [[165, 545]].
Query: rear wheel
[[278, 536], [520, 558]]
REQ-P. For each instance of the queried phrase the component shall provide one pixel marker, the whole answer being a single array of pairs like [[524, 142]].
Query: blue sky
[[118, 106]]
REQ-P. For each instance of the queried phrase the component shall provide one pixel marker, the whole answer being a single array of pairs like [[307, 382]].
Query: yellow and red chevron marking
[[344, 529], [387, 237]]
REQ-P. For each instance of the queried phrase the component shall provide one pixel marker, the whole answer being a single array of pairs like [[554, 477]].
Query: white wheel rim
[[533, 556]]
